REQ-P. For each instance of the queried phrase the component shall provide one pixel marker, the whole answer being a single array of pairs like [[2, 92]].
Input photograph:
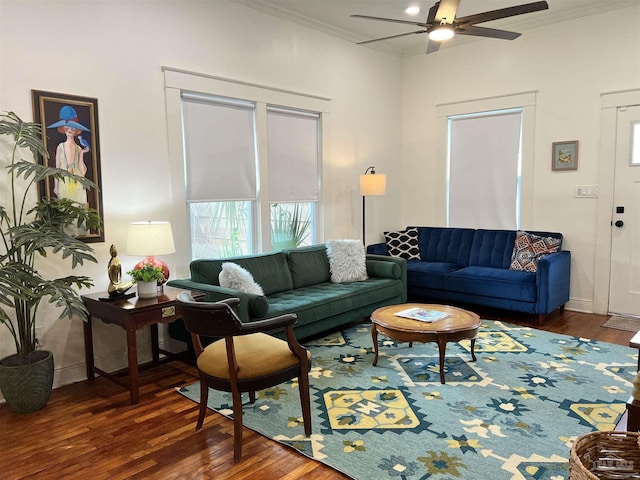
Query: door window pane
[[635, 144]]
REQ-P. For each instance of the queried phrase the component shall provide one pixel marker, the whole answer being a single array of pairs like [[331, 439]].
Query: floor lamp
[[371, 184]]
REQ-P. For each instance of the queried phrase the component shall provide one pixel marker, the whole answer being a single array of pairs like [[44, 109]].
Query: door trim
[[609, 103]]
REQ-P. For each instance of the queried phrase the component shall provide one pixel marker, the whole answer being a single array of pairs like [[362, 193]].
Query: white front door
[[624, 286]]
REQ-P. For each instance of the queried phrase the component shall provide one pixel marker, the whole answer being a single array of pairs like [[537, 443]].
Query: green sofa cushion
[[327, 299], [308, 265], [269, 270]]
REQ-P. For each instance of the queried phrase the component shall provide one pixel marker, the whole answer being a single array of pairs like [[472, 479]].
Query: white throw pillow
[[236, 277], [347, 260]]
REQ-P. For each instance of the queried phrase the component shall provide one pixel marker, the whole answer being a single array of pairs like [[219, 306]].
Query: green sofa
[[299, 281]]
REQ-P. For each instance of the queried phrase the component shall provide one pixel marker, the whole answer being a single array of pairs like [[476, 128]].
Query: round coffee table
[[459, 325]]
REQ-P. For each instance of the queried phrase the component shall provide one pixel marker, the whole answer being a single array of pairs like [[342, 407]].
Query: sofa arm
[[553, 280], [378, 249], [380, 269], [398, 269], [251, 306]]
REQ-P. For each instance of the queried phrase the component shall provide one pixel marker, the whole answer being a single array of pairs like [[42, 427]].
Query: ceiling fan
[[442, 23]]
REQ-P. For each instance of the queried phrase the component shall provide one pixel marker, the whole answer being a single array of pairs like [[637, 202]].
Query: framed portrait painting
[[70, 136], [565, 155]]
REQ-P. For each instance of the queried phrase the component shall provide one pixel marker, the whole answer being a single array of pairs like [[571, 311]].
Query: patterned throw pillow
[[528, 248], [347, 260], [403, 244]]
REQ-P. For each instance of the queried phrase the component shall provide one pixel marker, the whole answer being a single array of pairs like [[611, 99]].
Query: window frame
[[176, 81], [527, 102], [489, 115]]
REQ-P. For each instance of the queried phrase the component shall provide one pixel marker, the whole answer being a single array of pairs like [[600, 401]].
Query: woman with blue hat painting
[[70, 157]]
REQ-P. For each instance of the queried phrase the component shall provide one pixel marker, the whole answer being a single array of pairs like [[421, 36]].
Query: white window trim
[[526, 101], [178, 80]]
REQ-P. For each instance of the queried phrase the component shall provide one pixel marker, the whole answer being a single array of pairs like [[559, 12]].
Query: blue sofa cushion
[[429, 274], [449, 245], [492, 248], [493, 282]]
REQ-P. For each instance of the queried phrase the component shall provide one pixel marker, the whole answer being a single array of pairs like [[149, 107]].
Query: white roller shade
[[219, 149], [293, 156], [483, 170]]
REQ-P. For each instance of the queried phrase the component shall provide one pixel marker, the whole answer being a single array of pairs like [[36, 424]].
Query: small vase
[[147, 289]]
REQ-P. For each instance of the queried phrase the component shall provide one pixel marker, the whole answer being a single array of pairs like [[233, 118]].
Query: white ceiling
[[333, 17]]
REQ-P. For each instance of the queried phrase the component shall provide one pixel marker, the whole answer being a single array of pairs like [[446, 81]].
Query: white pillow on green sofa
[[234, 276], [347, 260]]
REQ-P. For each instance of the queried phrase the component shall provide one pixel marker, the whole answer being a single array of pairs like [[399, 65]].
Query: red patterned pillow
[[528, 248]]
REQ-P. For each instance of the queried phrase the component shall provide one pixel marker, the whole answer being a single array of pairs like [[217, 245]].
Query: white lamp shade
[[373, 184], [150, 238]]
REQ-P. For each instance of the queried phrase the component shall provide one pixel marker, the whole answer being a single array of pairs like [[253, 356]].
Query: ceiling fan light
[[412, 10], [441, 33]]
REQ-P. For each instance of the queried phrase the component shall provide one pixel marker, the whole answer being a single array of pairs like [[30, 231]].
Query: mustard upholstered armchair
[[244, 359]]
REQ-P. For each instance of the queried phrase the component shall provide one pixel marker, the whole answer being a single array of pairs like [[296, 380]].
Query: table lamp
[[149, 239], [371, 184]]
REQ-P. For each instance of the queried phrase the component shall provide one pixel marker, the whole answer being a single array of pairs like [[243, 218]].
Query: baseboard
[[580, 305], [110, 362]]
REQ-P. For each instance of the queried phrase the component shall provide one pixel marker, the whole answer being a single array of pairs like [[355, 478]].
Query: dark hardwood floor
[[90, 431]]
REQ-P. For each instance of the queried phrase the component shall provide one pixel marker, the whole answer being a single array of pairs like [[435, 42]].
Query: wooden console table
[[131, 314]]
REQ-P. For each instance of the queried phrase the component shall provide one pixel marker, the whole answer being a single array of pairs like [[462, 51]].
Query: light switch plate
[[587, 191]]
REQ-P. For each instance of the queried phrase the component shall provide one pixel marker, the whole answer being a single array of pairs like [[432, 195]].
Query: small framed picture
[[565, 155]]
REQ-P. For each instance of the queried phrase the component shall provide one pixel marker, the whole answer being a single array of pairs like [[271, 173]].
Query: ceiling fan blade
[[406, 22], [432, 13], [432, 47], [392, 36], [447, 10], [487, 32], [503, 13]]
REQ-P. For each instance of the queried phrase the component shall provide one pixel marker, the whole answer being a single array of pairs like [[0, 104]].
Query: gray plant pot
[[27, 388]]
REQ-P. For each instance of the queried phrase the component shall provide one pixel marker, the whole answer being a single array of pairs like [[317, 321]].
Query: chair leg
[[237, 425], [204, 398], [305, 401]]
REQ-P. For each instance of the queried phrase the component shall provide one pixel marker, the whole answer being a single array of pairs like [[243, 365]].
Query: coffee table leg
[[374, 336], [442, 346], [473, 349]]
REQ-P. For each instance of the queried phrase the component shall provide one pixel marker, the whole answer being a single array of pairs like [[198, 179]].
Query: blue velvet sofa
[[472, 266]]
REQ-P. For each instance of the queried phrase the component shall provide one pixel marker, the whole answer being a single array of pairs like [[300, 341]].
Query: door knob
[[619, 223]]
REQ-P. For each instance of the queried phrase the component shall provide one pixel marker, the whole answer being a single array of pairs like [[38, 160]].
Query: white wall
[[113, 51], [569, 65]]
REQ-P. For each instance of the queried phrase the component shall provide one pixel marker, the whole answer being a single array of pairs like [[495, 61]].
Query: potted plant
[[30, 231], [147, 278]]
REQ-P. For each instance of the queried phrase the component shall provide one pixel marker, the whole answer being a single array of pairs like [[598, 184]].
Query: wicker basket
[[605, 456]]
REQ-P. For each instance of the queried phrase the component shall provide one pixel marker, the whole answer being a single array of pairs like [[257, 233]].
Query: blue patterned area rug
[[511, 415]]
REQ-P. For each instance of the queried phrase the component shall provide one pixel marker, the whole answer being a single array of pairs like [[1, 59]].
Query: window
[[484, 170], [293, 176], [522, 106], [221, 180], [248, 159]]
